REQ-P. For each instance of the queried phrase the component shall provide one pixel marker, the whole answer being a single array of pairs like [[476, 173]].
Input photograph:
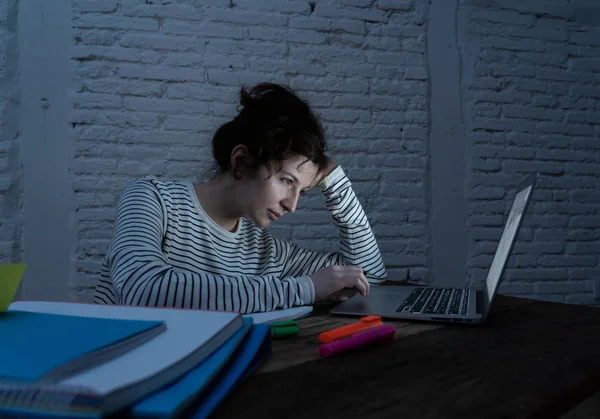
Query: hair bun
[[272, 123]]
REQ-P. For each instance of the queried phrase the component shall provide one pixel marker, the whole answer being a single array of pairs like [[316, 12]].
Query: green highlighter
[[284, 329]]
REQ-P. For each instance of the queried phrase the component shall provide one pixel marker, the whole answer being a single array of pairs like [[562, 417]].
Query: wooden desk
[[531, 359]]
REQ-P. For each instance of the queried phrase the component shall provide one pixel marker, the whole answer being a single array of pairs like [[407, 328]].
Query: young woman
[[206, 246]]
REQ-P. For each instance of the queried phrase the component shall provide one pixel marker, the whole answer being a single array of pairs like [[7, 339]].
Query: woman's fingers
[[356, 282], [362, 281], [365, 281], [354, 277]]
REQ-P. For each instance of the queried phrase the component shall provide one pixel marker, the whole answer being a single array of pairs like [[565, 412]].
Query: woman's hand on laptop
[[342, 295], [330, 281]]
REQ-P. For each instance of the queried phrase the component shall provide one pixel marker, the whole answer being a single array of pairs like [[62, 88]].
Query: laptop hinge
[[479, 301]]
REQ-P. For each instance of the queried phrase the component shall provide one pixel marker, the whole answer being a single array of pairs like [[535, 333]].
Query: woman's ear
[[239, 159]]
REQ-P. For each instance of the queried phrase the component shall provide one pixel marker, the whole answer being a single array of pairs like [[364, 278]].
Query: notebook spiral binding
[[48, 397]]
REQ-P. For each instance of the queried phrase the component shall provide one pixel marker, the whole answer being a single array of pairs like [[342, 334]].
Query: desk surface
[[530, 359]]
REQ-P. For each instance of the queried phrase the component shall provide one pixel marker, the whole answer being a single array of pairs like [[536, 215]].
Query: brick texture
[[155, 80], [532, 103], [10, 186]]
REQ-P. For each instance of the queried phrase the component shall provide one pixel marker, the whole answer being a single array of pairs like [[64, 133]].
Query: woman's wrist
[[332, 178], [328, 169]]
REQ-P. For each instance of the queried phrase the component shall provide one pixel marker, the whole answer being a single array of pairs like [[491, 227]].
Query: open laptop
[[461, 305]]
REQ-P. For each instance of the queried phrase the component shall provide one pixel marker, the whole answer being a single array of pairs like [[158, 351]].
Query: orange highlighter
[[350, 329]]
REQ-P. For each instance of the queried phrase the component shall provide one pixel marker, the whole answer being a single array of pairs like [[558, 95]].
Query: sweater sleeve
[[141, 275], [357, 242]]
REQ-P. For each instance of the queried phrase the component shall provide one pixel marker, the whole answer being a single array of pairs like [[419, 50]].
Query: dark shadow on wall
[[10, 183]]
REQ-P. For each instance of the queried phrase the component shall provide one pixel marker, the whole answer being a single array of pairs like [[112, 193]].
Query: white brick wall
[[155, 81], [532, 101], [10, 187]]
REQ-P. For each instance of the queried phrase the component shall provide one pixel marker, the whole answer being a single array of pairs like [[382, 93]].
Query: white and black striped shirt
[[166, 252]]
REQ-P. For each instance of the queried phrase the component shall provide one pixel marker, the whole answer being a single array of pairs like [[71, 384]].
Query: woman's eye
[[287, 181]]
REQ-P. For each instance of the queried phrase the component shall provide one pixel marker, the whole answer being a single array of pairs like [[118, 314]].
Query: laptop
[[459, 305]]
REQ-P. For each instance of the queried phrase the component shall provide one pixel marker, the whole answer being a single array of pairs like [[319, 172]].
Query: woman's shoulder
[[160, 185], [165, 192], [172, 197]]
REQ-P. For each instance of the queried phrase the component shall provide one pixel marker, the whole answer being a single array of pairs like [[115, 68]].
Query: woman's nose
[[290, 202]]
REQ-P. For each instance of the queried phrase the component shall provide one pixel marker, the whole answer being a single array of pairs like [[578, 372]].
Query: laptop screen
[[508, 236]]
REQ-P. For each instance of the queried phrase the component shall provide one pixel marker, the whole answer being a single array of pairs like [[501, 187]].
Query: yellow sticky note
[[10, 276]]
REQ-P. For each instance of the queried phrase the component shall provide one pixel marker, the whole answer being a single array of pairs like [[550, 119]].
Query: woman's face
[[269, 197]]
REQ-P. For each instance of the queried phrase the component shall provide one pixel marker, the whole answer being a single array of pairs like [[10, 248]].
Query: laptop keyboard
[[437, 301]]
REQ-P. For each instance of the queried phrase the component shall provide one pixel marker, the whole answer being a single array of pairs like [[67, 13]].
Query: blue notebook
[[199, 386], [41, 347], [176, 397], [252, 353]]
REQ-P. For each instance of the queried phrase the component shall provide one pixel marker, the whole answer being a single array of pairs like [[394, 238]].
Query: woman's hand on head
[[331, 283], [325, 171]]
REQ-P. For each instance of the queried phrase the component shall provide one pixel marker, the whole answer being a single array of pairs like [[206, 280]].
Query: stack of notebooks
[[88, 361], [71, 360]]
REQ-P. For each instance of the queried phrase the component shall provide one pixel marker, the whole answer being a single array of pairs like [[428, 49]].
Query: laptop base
[[387, 302]]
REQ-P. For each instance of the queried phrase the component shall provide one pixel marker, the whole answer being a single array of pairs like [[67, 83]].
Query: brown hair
[[273, 123]]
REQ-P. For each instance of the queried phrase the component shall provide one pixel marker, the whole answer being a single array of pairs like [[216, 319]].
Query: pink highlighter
[[357, 341]]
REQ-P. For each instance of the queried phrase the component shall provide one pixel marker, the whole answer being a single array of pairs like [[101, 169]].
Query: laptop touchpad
[[375, 303]]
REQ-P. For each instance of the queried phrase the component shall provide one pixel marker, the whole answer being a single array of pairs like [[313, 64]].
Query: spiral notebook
[[190, 337], [42, 347]]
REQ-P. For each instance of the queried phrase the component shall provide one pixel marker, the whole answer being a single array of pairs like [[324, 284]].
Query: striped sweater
[[166, 252]]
